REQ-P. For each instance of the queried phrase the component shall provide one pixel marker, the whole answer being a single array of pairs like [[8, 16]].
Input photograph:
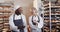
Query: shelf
[[52, 7], [6, 4], [6, 10], [55, 16], [46, 5], [55, 6], [3, 11]]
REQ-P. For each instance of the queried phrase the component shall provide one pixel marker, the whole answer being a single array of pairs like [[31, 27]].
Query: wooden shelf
[[5, 12]]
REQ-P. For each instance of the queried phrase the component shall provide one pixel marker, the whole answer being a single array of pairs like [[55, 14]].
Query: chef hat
[[16, 7]]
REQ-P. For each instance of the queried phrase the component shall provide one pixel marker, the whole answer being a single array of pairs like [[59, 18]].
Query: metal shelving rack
[[51, 16]]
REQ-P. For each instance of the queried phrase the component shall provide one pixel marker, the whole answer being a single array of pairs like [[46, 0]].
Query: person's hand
[[21, 27], [35, 21]]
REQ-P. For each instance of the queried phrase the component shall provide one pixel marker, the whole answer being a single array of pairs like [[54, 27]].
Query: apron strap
[[14, 17], [38, 19]]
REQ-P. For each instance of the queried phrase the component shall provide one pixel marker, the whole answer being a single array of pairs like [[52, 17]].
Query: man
[[17, 21], [35, 21]]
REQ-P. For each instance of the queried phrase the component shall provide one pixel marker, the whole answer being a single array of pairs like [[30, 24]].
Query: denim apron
[[37, 29], [18, 22]]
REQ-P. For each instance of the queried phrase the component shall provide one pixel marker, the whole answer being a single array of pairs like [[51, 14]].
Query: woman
[[17, 21], [35, 21]]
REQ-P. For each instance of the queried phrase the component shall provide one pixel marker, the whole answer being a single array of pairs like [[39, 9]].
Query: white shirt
[[35, 18], [40, 24], [12, 26], [17, 17]]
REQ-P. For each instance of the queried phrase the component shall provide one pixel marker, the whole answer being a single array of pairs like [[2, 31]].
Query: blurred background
[[50, 12]]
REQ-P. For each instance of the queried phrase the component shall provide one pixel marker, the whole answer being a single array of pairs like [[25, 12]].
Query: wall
[[26, 4]]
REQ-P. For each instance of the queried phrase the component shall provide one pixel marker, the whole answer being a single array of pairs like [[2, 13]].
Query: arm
[[40, 24], [25, 24], [12, 26], [31, 24]]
